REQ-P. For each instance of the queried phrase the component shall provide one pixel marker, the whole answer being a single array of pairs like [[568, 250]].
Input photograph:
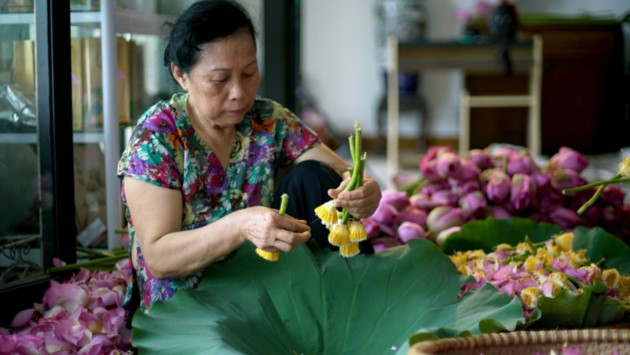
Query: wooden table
[[471, 58]]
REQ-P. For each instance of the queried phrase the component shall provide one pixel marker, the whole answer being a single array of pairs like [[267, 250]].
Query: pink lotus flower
[[469, 170], [562, 179], [398, 199], [413, 214], [422, 201], [564, 217], [567, 158], [522, 191], [480, 158], [444, 197], [410, 230], [498, 186], [443, 217], [473, 202], [448, 165]]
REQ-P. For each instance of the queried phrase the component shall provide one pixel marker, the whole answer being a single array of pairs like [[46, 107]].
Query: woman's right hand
[[268, 230]]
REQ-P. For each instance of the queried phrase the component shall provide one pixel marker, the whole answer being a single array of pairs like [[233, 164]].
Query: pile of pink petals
[[82, 315], [492, 183]]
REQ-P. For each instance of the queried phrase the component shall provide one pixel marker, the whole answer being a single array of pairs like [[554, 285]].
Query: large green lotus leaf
[[317, 302], [486, 234]]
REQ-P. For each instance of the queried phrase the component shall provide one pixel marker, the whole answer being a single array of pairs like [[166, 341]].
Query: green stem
[[577, 282], [591, 200], [284, 201], [614, 179]]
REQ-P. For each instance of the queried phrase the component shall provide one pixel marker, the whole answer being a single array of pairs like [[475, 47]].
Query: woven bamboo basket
[[581, 341]]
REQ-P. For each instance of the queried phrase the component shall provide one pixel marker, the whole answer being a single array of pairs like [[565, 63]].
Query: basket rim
[[525, 337]]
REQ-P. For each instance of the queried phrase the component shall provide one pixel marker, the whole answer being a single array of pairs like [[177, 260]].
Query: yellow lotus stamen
[[268, 255], [560, 279], [610, 277], [624, 167], [564, 241], [349, 250], [357, 231], [503, 246], [532, 263], [529, 296], [523, 248], [339, 235], [328, 213], [275, 255]]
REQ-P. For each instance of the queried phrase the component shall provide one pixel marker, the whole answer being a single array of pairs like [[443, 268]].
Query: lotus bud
[[413, 214], [422, 201], [383, 243], [480, 158], [371, 227], [613, 195], [562, 179], [464, 187], [445, 198], [398, 199], [410, 230], [339, 235], [473, 202], [470, 171], [498, 212], [443, 217], [624, 167], [567, 158], [522, 164], [349, 250], [522, 191], [442, 236], [541, 180], [564, 217], [357, 232], [498, 186], [448, 165], [385, 214]]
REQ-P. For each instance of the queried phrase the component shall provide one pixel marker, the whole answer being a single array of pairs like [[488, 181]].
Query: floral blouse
[[165, 150]]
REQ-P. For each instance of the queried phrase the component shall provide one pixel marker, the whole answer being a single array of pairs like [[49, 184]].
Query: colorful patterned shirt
[[166, 151]]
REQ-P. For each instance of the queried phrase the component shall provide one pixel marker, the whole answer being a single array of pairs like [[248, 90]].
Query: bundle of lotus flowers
[[345, 231], [534, 270], [275, 255]]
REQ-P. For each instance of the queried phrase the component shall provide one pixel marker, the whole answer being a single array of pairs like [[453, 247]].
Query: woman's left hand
[[361, 202]]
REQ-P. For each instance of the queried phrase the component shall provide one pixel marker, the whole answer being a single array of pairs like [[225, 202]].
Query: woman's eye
[[218, 80]]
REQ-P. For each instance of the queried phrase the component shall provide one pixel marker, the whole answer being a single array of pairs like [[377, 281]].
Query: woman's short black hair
[[204, 21]]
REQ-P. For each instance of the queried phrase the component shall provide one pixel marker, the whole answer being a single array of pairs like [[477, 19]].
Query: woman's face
[[222, 85]]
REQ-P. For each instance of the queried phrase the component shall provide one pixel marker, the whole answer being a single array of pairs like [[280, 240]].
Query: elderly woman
[[199, 172]]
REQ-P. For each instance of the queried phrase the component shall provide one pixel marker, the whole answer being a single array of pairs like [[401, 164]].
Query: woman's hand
[[269, 230], [361, 202]]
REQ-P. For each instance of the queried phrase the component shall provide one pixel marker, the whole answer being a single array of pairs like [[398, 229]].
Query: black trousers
[[307, 185]]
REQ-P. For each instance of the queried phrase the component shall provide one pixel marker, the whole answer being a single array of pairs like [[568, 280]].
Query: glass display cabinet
[[73, 79], [36, 177]]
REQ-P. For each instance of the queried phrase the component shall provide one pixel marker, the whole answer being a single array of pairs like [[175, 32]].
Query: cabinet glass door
[[20, 179]]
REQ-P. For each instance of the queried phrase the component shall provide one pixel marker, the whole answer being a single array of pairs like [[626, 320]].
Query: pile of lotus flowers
[[345, 231], [499, 183], [82, 315], [533, 270]]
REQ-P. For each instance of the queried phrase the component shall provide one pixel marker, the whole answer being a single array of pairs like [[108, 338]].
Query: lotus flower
[[498, 186], [413, 214], [443, 217], [473, 202], [398, 199], [567, 158], [564, 217], [410, 230], [480, 158], [522, 192], [448, 165]]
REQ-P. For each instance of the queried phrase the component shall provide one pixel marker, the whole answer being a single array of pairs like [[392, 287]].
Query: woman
[[199, 170]]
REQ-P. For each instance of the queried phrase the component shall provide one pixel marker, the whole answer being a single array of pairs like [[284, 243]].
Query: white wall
[[340, 58]]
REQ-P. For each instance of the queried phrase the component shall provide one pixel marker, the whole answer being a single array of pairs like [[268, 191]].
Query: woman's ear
[[180, 76]]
